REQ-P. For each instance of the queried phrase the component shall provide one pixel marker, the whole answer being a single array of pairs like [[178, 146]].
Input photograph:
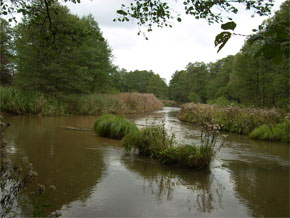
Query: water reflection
[[262, 186], [63, 158], [201, 189]]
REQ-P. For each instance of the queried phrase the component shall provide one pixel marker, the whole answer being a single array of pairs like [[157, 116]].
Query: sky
[[168, 49]]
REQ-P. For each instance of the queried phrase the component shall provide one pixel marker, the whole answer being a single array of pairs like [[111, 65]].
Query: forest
[[76, 59]]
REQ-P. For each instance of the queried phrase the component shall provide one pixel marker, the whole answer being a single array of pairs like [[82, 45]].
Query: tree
[[274, 35], [220, 71], [76, 60], [157, 86], [6, 66], [137, 81]]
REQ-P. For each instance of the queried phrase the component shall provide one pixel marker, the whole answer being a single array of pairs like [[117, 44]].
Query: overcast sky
[[168, 49]]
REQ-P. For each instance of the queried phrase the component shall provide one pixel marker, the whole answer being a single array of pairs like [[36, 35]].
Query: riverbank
[[19, 102], [266, 124]]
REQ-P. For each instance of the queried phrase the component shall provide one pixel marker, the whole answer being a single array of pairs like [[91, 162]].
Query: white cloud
[[167, 50]]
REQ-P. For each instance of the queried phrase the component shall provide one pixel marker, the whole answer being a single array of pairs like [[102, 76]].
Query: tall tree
[[158, 87], [76, 60], [6, 66]]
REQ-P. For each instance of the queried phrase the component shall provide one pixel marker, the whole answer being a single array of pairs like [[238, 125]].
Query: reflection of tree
[[63, 158], [263, 186], [204, 194]]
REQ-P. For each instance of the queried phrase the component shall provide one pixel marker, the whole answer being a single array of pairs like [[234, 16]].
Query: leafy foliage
[[76, 60], [6, 67], [113, 126]]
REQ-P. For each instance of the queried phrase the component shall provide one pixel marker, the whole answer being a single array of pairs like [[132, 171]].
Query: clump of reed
[[232, 118], [278, 132], [113, 126], [138, 103], [91, 104], [155, 142], [21, 102]]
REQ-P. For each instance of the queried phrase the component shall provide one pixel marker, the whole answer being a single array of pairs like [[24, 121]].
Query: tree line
[[74, 58], [69, 55], [246, 78]]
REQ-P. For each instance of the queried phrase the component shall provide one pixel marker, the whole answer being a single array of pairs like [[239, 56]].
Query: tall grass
[[279, 132], [113, 126], [155, 142], [18, 101], [232, 118], [138, 103]]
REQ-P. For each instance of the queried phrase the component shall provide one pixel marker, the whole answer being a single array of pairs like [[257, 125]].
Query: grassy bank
[[155, 142], [239, 120], [21, 102]]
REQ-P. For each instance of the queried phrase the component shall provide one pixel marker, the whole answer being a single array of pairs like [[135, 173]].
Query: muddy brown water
[[94, 176]]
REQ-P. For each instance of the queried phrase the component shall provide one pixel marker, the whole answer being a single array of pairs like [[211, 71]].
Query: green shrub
[[155, 142], [279, 132], [113, 126], [193, 97], [149, 141], [221, 101]]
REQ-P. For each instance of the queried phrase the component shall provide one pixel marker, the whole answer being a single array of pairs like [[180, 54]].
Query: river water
[[94, 176]]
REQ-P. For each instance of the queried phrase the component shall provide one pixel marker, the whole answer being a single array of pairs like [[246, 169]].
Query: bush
[[154, 142], [113, 126], [279, 132], [221, 101], [149, 141], [193, 97]]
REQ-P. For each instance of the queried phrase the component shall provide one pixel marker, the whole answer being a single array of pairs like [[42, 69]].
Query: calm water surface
[[94, 176]]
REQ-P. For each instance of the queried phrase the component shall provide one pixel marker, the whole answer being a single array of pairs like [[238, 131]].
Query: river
[[94, 176]]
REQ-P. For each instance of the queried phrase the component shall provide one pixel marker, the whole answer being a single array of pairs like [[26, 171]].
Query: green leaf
[[221, 39], [179, 19], [229, 25]]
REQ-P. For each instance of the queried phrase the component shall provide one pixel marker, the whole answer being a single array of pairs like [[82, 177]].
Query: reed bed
[[138, 103], [232, 118], [20, 102]]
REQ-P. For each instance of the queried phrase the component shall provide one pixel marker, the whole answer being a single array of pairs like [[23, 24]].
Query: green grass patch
[[279, 132], [113, 126]]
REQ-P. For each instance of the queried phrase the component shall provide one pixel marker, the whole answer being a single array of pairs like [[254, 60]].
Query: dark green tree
[[219, 76], [137, 81], [6, 66], [158, 87], [75, 60]]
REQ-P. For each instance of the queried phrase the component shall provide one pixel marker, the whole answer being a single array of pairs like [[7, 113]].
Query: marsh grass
[[155, 142], [232, 118], [279, 132], [113, 126], [20, 102]]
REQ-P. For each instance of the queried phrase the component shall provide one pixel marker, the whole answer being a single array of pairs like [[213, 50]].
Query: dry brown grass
[[138, 103]]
